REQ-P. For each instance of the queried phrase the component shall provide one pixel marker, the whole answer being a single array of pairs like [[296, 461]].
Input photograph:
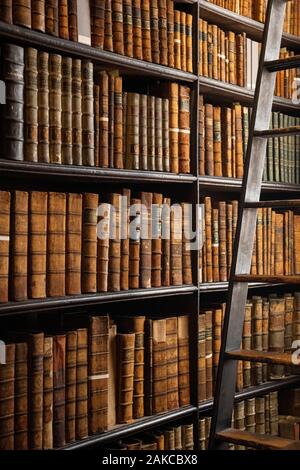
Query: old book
[[145, 244], [288, 324], [21, 397], [156, 261], [63, 22], [163, 38], [209, 147], [6, 11], [159, 366], [117, 19], [170, 32], [158, 135], [108, 36], [51, 17], [19, 245], [35, 390], [81, 423], [265, 335], [176, 246], [43, 107], [76, 113], [111, 117], [256, 323], [48, 393], [97, 23], [134, 243], [87, 114], [98, 374], [166, 242], [201, 358], [73, 20], [96, 123], [177, 40], [189, 42], [66, 111], [7, 393], [279, 266], [289, 402], [89, 243], [183, 361], [112, 376], [178, 437], [4, 244], [22, 13], [31, 105], [174, 127], [132, 131], [172, 363], [208, 351], [246, 344], [71, 355], [114, 265], [56, 239], [143, 133], [170, 439], [165, 135], [186, 244], [146, 30], [183, 40], [216, 340], [118, 124], [184, 129], [125, 241], [59, 389], [103, 120], [55, 77], [154, 24], [103, 235], [215, 244], [13, 121], [128, 27], [37, 244], [125, 343], [137, 29], [73, 243], [150, 132], [276, 334]]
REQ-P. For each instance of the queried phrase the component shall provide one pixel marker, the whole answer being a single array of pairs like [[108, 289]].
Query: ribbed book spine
[[38, 15], [128, 20], [154, 24], [55, 107], [71, 372], [158, 135], [59, 390], [137, 29], [97, 23], [159, 367], [117, 21], [156, 262], [183, 361], [73, 244], [126, 376], [176, 246], [22, 13], [37, 237], [174, 127], [146, 231], [48, 393], [170, 32], [134, 243], [6, 11], [87, 114], [21, 397], [143, 142], [31, 105], [4, 244], [125, 242], [66, 111], [166, 243], [89, 243], [184, 129], [52, 24], [103, 248], [103, 120], [172, 363], [35, 388], [43, 107], [73, 20], [56, 239], [81, 423], [7, 393], [108, 36], [146, 30], [114, 265], [76, 113], [118, 124], [19, 246]]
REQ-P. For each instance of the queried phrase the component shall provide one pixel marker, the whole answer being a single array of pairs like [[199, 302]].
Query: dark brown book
[[118, 124], [56, 241], [55, 77], [111, 117], [246, 344], [165, 135], [76, 113], [146, 231], [71, 372], [166, 242], [103, 120], [158, 135], [31, 105], [143, 133], [112, 376], [82, 384], [73, 20], [103, 234], [183, 361], [201, 358], [128, 23], [208, 357], [6, 11], [108, 36], [276, 334], [257, 337], [43, 107], [117, 20], [59, 390], [48, 393], [89, 243], [35, 390], [170, 32], [87, 114], [21, 397], [66, 111], [137, 29], [4, 244], [177, 40], [98, 374], [38, 15], [156, 261], [125, 343], [73, 243], [176, 246], [51, 20], [172, 363], [125, 241], [186, 244], [97, 23], [134, 243], [19, 245], [37, 244], [96, 123], [146, 30], [154, 23], [22, 13], [114, 265], [132, 131], [163, 38], [7, 394]]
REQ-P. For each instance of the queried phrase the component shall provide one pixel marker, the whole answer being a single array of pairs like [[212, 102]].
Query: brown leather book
[[97, 23], [170, 32], [186, 246], [134, 243], [103, 233], [178, 438], [114, 265], [146, 231], [38, 15], [128, 21], [183, 361], [170, 439], [246, 344], [4, 244], [154, 23], [73, 243], [222, 242], [71, 358], [73, 20], [126, 344], [76, 113], [96, 123], [215, 244], [176, 246], [209, 148], [87, 114], [13, 122], [265, 335], [111, 114], [48, 394], [19, 245], [217, 146], [256, 322], [98, 374], [201, 358], [166, 242], [208, 239], [125, 241], [118, 124], [150, 132], [174, 127], [59, 390], [279, 244], [112, 376], [184, 129], [51, 9], [56, 239], [21, 397], [276, 334], [55, 77], [6, 11], [143, 133], [132, 132], [183, 40], [146, 30], [43, 107], [22, 13], [37, 244], [89, 243], [148, 384], [208, 358], [216, 340], [156, 261], [35, 390], [66, 111], [177, 40], [172, 363], [117, 20], [103, 120], [165, 135], [159, 366], [108, 36], [158, 135], [31, 105], [189, 42], [7, 393], [137, 29], [288, 324], [81, 422]]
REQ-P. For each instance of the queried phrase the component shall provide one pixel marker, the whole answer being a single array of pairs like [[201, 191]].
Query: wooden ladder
[[221, 431]]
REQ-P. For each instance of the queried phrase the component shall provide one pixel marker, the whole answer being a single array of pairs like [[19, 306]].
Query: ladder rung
[[266, 357], [283, 64], [279, 279], [283, 131], [279, 204], [257, 441]]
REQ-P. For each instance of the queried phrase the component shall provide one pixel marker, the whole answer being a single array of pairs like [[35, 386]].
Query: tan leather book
[[137, 29], [87, 113], [217, 146], [186, 247], [172, 363], [66, 111], [166, 242], [19, 245], [184, 129], [59, 389], [159, 366], [128, 28], [165, 135], [89, 243], [6, 11], [187, 437], [103, 120], [246, 343], [177, 40], [163, 38], [108, 36], [134, 243], [183, 361], [143, 133], [150, 132], [21, 397], [118, 124], [132, 132], [63, 22], [73, 20], [158, 135], [256, 323], [156, 261], [4, 244], [176, 245], [126, 344], [260, 418], [55, 77], [183, 40], [97, 23], [114, 265], [208, 239], [71, 358], [81, 422], [215, 245], [35, 390], [22, 13], [146, 30], [98, 385], [170, 32], [103, 236], [174, 127], [111, 117], [178, 438], [73, 243], [154, 22], [276, 334], [31, 105], [145, 247], [201, 359], [170, 439], [112, 376], [125, 241], [56, 239], [51, 20], [189, 42], [43, 107], [37, 244], [7, 393], [117, 20], [76, 113], [48, 393]]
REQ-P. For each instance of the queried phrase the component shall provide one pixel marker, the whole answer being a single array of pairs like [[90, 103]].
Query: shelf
[[241, 24], [129, 65], [219, 183], [140, 425], [208, 287], [86, 300]]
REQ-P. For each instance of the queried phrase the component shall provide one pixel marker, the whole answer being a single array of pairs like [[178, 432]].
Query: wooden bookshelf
[[223, 184]]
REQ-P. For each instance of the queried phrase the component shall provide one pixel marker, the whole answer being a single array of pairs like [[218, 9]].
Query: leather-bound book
[[56, 239], [170, 439], [125, 241], [178, 437], [71, 359], [276, 334], [89, 243], [132, 132], [174, 127], [35, 390], [166, 242], [189, 43], [98, 374], [128, 29], [170, 32], [117, 20], [259, 243], [246, 344], [201, 358], [250, 414], [165, 135], [4, 244], [146, 231], [7, 394], [156, 261], [73, 243], [186, 246], [22, 13], [239, 141], [208, 358], [55, 77], [31, 105], [143, 142], [43, 107], [19, 245], [66, 111], [217, 146], [134, 243], [177, 40], [159, 366], [103, 120], [265, 334], [6, 11], [38, 15], [183, 40], [103, 232], [97, 23], [76, 113], [187, 437], [96, 123], [112, 376], [73, 20], [48, 394], [108, 31], [13, 120], [51, 20], [137, 29], [208, 239], [260, 417], [184, 129], [87, 114], [151, 132], [158, 135], [125, 343], [216, 340], [256, 322], [59, 390], [279, 266], [37, 244], [154, 24], [118, 124], [209, 148], [288, 324], [21, 397], [183, 361], [111, 114], [114, 265], [81, 423], [172, 363], [146, 30], [273, 413], [222, 242], [176, 246]]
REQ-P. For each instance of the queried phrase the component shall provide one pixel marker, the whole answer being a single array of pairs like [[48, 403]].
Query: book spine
[[31, 105], [146, 231], [111, 117], [124, 228], [217, 141], [170, 32], [35, 388], [21, 397], [103, 120], [201, 359], [118, 124], [126, 376], [19, 246], [73, 20], [246, 343], [43, 107], [96, 123], [89, 243], [59, 389], [117, 22], [134, 243], [183, 361], [216, 341], [156, 262], [55, 77], [150, 132], [154, 26], [189, 43], [48, 393], [71, 354], [184, 129], [174, 127], [146, 30], [5, 241], [81, 422], [51, 20], [6, 11], [159, 367], [137, 29], [56, 244], [73, 243], [114, 265], [172, 363], [103, 248], [166, 242], [208, 352], [257, 337], [37, 244], [87, 114], [97, 23], [7, 395], [132, 131], [128, 29], [158, 135], [276, 334], [76, 113], [177, 40], [63, 22], [22, 13], [186, 247], [183, 40], [108, 36], [165, 135], [66, 111], [162, 27]]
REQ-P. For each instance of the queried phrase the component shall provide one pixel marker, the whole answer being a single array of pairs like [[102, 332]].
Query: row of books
[[223, 138], [57, 111], [55, 244], [56, 388], [152, 30], [276, 247], [271, 323], [256, 9]]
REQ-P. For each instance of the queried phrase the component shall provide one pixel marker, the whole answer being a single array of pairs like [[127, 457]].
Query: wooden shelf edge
[[234, 184], [208, 287]]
